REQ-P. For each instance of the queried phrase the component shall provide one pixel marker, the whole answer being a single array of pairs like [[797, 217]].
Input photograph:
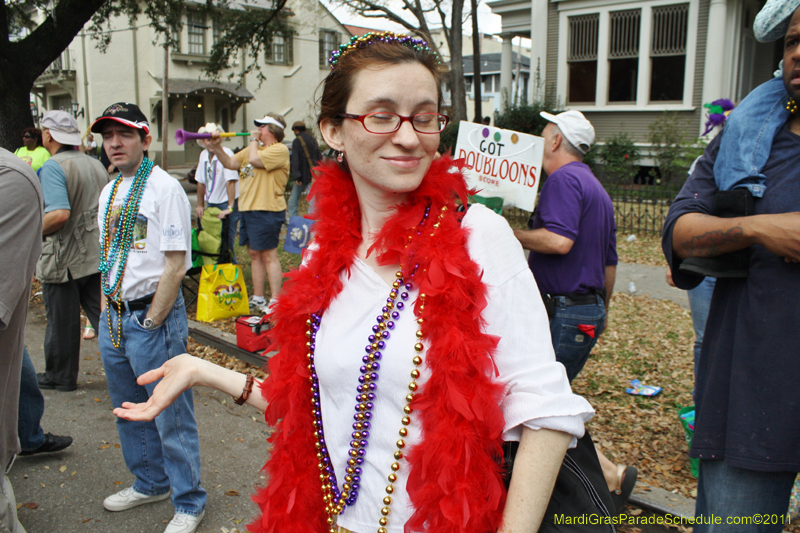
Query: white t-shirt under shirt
[[538, 396], [162, 225], [215, 177]]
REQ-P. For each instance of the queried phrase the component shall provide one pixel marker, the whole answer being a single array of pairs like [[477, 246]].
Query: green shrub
[[524, 117], [620, 155], [673, 150], [448, 138], [591, 158]]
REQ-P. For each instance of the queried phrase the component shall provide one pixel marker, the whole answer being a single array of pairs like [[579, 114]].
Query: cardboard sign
[[504, 164]]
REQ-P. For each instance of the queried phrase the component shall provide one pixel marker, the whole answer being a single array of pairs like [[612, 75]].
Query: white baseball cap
[[578, 131]]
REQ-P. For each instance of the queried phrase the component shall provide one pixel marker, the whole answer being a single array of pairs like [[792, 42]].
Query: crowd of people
[[423, 366]]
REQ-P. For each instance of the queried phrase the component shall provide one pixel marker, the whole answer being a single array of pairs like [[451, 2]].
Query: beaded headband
[[384, 37]]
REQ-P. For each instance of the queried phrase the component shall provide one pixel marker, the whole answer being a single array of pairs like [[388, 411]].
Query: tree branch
[[362, 7], [42, 46]]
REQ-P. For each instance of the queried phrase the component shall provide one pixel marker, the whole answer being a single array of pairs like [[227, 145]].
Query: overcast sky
[[487, 21]]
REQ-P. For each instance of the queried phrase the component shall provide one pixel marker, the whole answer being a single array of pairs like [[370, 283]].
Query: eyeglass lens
[[389, 122]]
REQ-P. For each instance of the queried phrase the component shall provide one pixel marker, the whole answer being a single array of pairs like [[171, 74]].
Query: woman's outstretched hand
[[176, 375]]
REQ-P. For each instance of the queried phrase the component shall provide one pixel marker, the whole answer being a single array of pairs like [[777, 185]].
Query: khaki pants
[[8, 509]]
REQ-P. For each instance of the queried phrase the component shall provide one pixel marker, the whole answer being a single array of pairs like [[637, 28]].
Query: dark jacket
[[301, 170]]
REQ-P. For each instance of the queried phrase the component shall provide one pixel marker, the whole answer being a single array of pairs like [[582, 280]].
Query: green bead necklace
[[115, 251]]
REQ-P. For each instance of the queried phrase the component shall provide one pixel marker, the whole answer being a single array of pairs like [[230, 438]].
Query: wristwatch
[[149, 323]]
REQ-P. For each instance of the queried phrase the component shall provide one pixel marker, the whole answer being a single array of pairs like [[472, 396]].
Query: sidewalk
[[66, 489]]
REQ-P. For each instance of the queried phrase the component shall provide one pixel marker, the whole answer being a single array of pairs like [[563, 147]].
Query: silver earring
[[340, 157]]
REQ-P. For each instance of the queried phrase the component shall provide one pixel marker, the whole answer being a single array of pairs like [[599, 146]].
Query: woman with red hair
[[412, 342]]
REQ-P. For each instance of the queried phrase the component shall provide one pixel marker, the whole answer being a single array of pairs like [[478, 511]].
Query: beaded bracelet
[[248, 388]]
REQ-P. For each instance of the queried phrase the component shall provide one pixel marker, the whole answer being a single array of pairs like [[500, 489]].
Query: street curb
[[662, 501], [226, 342]]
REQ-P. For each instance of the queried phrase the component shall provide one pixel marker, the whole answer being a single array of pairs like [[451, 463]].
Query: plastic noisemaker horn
[[181, 136]]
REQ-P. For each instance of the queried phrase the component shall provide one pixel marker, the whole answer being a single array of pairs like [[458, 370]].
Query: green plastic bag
[[694, 464], [493, 203], [197, 259]]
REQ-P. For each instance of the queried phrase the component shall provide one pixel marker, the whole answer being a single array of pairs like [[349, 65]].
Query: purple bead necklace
[[337, 500]]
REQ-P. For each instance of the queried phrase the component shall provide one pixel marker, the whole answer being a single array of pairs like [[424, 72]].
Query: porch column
[[715, 51], [506, 65], [538, 50]]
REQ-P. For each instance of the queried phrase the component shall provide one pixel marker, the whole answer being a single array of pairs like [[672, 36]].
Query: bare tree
[[451, 27], [30, 43]]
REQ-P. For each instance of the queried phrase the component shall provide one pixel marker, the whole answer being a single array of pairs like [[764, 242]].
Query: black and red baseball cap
[[125, 113]]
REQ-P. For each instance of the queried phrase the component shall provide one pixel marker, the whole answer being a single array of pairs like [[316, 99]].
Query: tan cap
[[63, 127]]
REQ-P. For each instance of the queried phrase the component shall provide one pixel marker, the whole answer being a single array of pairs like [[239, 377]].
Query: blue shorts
[[261, 230]]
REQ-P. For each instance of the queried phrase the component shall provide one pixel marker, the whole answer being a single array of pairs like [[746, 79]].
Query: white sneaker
[[270, 307], [129, 498], [184, 523], [259, 304]]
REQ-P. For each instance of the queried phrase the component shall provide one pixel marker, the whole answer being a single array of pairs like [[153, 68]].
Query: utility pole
[[165, 108], [476, 63]]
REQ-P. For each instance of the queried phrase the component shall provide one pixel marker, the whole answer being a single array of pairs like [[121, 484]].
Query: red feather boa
[[454, 479]]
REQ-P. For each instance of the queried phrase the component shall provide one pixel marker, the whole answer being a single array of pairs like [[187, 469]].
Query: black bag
[[581, 501]]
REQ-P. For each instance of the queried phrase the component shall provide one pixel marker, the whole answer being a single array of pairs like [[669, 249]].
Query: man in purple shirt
[[573, 256], [573, 241]]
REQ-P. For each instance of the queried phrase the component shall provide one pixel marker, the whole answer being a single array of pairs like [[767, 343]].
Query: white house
[[622, 63], [85, 81]]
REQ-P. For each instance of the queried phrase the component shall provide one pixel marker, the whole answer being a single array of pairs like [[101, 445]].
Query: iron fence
[[640, 205]]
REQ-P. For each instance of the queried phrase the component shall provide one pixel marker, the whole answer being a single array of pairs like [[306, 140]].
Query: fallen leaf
[[63, 468], [19, 506], [635, 512], [32, 505], [118, 483], [87, 520], [98, 400], [117, 446], [231, 493], [104, 446]]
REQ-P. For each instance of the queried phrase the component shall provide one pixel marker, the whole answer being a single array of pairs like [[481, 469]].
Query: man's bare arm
[[611, 277], [168, 286], [54, 220], [544, 241], [252, 154], [230, 187], [231, 163], [700, 235], [201, 200]]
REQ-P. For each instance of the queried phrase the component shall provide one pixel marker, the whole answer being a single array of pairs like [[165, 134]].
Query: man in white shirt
[[144, 218], [217, 186]]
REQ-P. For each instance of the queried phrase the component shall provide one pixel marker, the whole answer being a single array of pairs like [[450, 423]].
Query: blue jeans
[[31, 407], [744, 149], [165, 452], [294, 199], [699, 303], [725, 491], [573, 346], [233, 221]]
